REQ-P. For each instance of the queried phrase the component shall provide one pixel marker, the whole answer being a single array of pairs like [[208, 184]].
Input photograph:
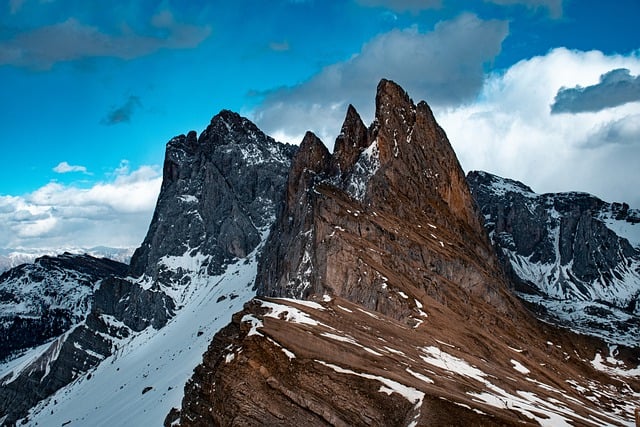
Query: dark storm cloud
[[71, 40], [617, 87], [123, 113]]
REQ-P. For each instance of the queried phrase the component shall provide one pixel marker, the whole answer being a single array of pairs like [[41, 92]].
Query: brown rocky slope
[[403, 315]]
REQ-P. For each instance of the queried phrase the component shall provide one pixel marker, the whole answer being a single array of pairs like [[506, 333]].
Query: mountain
[[382, 302], [42, 300], [575, 258], [10, 258], [218, 197], [193, 270]]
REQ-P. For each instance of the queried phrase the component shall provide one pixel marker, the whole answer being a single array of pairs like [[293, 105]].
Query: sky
[[543, 91]]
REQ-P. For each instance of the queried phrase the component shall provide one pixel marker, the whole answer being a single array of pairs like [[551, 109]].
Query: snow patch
[[519, 367]]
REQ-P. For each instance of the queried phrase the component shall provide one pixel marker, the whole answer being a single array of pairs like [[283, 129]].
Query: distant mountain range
[[375, 285], [11, 257]]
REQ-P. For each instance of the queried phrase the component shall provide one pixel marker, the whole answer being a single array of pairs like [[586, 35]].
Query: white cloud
[[444, 65], [510, 131], [64, 167], [114, 213]]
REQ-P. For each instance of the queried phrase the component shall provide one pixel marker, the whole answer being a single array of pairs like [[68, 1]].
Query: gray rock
[[565, 255], [42, 300], [219, 193]]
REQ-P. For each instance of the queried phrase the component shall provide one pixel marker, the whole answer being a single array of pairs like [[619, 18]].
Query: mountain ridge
[[217, 200]]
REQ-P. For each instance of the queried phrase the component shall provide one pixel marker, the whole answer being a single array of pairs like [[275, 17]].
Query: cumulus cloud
[[616, 87], [553, 6], [64, 167], [113, 213], [510, 130], [402, 5], [123, 113], [70, 40], [444, 66]]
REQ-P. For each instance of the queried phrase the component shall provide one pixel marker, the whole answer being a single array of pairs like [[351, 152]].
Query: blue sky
[[544, 91]]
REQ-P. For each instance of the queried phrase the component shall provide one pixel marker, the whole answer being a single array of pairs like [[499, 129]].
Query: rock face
[[403, 314], [218, 197], [219, 194], [574, 256], [42, 300], [392, 201]]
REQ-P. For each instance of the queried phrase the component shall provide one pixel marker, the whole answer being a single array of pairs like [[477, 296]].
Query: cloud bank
[[113, 213], [70, 40], [510, 130], [445, 66], [616, 87]]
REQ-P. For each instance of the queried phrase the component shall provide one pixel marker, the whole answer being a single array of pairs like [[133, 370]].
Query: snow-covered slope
[[140, 383], [577, 256]]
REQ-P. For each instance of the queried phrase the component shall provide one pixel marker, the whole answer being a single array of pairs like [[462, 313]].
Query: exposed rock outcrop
[[388, 210]]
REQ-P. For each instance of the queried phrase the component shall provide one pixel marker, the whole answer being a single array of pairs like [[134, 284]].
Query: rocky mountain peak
[[231, 127], [219, 193], [362, 207], [394, 118], [310, 161], [353, 139], [570, 253]]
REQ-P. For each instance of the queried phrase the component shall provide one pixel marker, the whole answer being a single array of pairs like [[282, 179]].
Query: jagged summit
[[353, 139], [218, 194], [418, 181]]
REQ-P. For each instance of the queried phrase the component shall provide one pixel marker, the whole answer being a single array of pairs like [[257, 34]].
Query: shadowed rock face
[[403, 315], [565, 255], [219, 192]]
